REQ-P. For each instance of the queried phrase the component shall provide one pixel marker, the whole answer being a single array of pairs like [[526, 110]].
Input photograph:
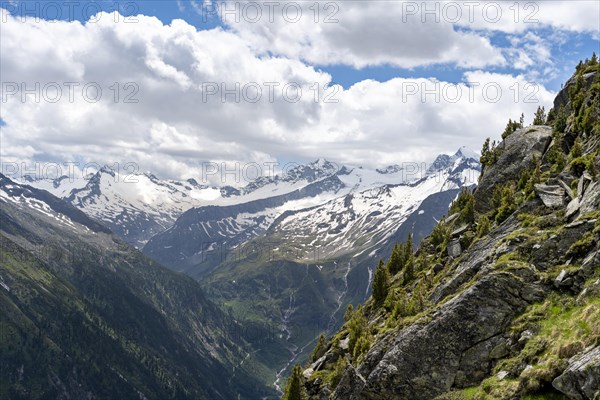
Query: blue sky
[[376, 50]]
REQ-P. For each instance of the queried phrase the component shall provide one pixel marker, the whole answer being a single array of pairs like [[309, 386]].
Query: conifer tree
[[395, 262], [512, 126], [320, 348], [381, 283], [294, 389], [539, 117], [348, 313], [467, 214], [485, 151], [521, 121], [409, 263]]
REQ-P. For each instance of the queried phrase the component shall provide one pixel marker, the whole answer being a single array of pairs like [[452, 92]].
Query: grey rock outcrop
[[590, 201], [572, 208], [581, 379], [454, 249], [563, 98], [518, 153], [454, 348], [552, 195]]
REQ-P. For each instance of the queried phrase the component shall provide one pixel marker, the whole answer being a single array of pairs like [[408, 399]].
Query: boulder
[[581, 379], [572, 208], [437, 268], [568, 190], [345, 344], [552, 195], [454, 249], [459, 231]]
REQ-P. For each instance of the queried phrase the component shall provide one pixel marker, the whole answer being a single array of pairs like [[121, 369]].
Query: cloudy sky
[[170, 85]]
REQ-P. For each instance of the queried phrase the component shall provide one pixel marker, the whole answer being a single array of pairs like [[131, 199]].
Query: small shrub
[[582, 246], [483, 226]]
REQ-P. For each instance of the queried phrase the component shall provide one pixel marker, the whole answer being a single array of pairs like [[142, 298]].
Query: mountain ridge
[[502, 300]]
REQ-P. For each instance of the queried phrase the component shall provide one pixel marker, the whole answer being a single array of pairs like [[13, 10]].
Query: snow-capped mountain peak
[[138, 206], [467, 154]]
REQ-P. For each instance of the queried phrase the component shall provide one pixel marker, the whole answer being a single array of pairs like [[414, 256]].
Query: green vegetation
[[320, 348], [72, 323], [534, 247], [489, 153], [381, 283], [359, 335], [465, 206], [294, 389], [540, 116], [505, 201], [440, 236], [512, 126], [483, 226], [582, 246]]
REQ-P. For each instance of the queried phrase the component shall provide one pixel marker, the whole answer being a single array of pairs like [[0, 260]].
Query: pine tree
[[408, 247], [467, 214], [560, 121], [507, 203], [485, 152], [539, 117], [357, 327], [594, 59], [409, 263], [521, 121], [401, 304], [577, 149], [294, 389], [483, 226], [508, 130], [395, 262], [536, 176], [512, 126], [349, 312], [381, 283], [320, 348], [550, 117]]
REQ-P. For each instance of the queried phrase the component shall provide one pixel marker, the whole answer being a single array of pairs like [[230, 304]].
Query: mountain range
[[253, 247]]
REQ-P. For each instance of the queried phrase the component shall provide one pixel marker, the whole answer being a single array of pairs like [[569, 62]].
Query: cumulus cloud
[[358, 33], [404, 34], [183, 116]]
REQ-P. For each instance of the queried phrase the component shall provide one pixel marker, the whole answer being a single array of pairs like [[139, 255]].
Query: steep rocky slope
[[502, 300]]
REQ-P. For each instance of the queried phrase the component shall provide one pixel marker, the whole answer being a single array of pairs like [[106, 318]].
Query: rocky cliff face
[[502, 301]]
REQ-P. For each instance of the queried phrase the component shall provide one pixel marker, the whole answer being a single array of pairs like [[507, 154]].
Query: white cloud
[[173, 129], [404, 34], [359, 33]]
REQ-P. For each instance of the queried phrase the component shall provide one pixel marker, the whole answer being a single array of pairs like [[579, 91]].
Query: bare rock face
[[552, 195], [590, 200], [572, 208], [518, 153], [454, 249], [455, 347], [581, 379], [563, 98], [350, 381]]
